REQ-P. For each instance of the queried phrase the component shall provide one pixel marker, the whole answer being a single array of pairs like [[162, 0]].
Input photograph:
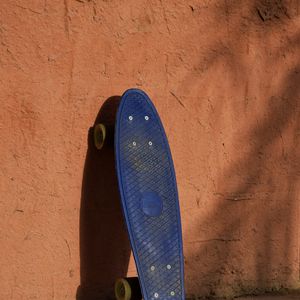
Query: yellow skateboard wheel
[[99, 135], [122, 289]]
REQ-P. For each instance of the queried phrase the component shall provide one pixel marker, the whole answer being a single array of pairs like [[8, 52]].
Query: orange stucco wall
[[225, 78]]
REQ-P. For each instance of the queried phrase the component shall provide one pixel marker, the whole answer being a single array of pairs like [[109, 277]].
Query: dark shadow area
[[104, 244], [257, 208], [252, 248]]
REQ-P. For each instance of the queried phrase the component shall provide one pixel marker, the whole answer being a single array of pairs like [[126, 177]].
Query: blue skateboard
[[149, 198]]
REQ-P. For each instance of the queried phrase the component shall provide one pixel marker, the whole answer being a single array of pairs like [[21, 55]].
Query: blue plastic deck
[[149, 197]]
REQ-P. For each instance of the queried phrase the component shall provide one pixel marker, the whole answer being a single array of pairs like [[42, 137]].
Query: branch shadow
[[249, 245], [104, 243], [254, 216]]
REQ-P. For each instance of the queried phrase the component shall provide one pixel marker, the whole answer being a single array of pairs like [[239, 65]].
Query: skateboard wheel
[[99, 135], [128, 289], [122, 289]]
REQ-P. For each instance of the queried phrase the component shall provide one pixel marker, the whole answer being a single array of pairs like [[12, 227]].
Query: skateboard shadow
[[104, 243]]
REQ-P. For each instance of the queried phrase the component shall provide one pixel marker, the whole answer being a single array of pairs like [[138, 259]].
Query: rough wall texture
[[225, 77]]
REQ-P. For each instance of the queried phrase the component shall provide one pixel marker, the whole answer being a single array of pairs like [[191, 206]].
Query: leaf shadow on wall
[[252, 242], [104, 243], [256, 236]]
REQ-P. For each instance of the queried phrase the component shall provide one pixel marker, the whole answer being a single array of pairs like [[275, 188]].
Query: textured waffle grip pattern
[[149, 197]]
